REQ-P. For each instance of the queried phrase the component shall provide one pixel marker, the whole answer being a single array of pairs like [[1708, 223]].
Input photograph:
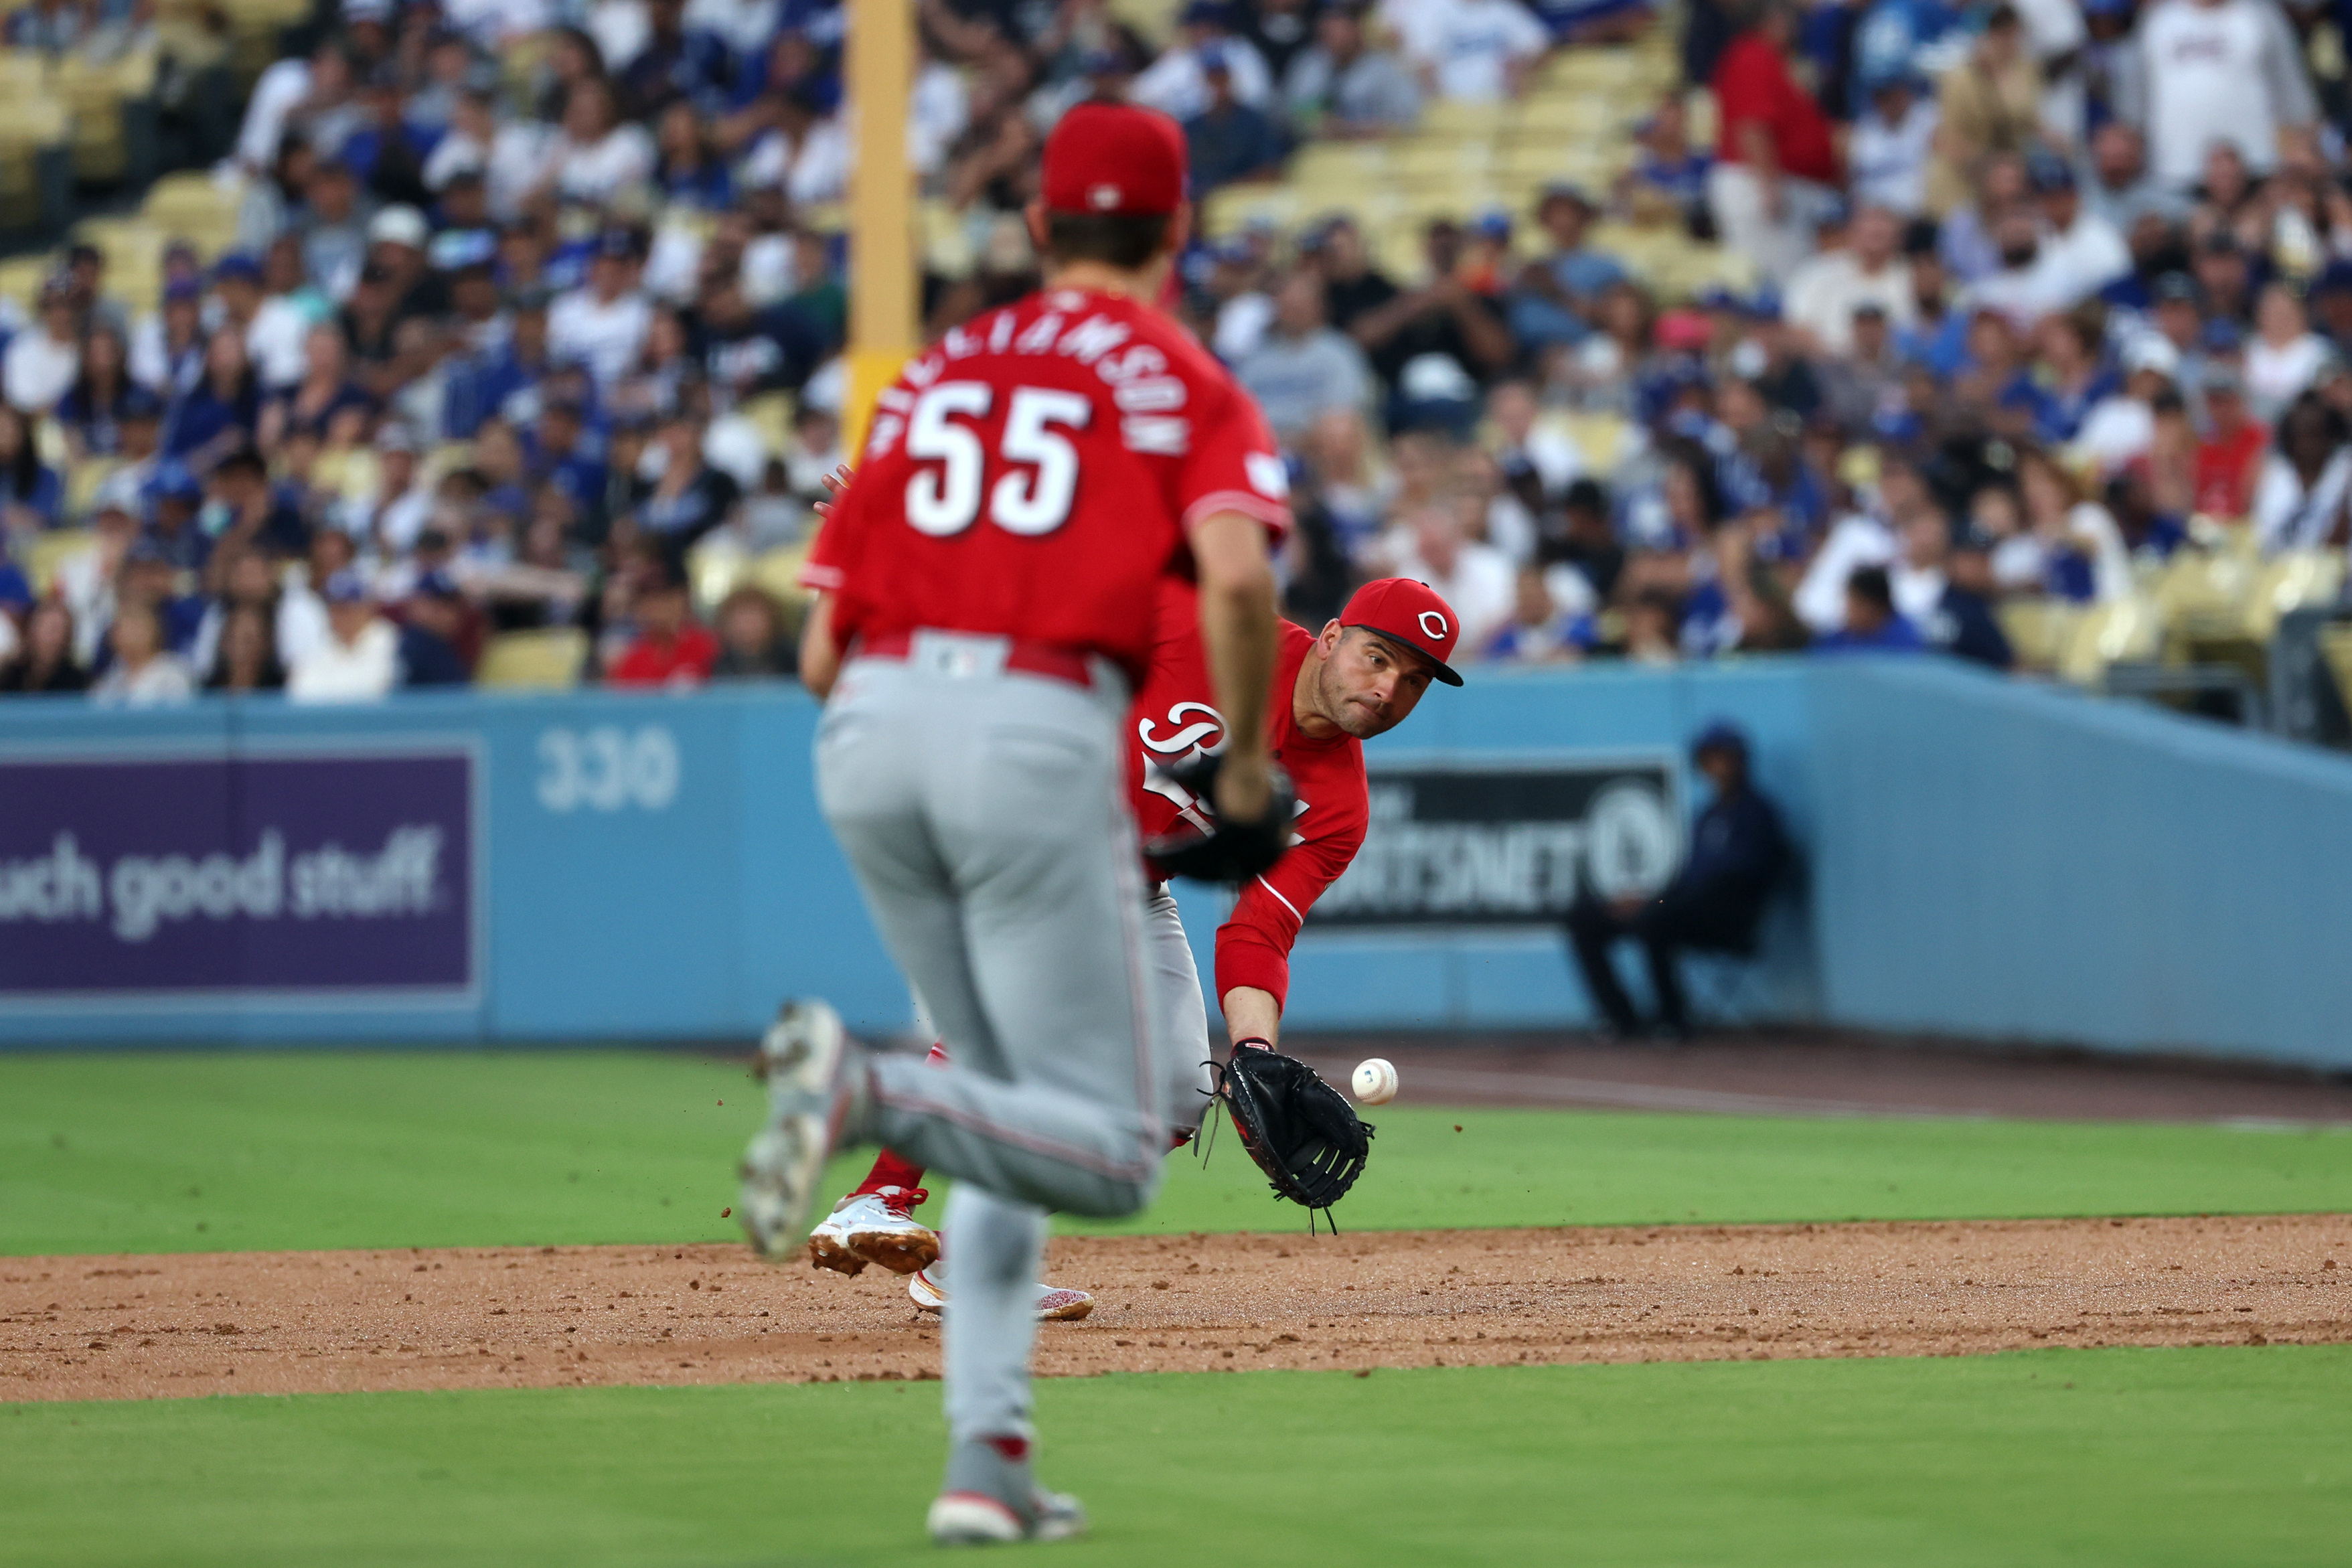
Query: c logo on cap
[[1432, 625]]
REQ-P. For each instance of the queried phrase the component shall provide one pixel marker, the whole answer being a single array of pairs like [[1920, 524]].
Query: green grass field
[[2190, 1457], [2146, 1458], [255, 1151]]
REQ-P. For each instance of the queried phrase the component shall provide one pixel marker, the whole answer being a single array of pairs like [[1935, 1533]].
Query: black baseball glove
[[1232, 851], [1302, 1133]]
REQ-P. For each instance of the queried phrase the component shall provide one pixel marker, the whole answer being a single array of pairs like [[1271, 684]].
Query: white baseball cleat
[[975, 1518], [1054, 1305], [828, 1242], [802, 1058], [873, 1228], [881, 1229]]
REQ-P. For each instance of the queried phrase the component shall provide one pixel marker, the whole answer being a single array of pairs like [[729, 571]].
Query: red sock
[[889, 1170]]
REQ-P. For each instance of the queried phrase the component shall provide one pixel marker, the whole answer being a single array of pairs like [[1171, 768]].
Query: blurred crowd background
[[499, 340]]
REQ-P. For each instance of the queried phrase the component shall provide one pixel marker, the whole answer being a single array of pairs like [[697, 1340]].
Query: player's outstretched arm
[[819, 660], [1237, 631], [1252, 1014]]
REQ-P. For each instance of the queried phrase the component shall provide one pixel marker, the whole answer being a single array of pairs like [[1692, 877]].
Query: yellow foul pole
[[882, 278]]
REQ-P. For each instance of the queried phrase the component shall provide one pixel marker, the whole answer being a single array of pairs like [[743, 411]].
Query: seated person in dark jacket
[[1714, 902]]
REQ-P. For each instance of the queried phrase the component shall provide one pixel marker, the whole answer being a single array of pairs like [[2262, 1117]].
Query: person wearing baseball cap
[[1412, 615], [1112, 192], [1714, 901]]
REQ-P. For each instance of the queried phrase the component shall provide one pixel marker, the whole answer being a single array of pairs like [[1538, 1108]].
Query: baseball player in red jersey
[[990, 574], [1359, 678]]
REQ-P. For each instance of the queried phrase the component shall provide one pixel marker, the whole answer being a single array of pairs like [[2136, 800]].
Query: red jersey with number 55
[[1035, 473]]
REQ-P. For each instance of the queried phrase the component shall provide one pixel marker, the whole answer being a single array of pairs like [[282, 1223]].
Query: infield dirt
[[283, 1323]]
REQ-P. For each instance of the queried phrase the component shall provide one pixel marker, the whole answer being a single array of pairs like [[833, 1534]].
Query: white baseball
[[1375, 1081]]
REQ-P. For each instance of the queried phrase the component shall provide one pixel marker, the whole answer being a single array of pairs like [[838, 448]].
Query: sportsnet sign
[[1505, 843], [210, 877]]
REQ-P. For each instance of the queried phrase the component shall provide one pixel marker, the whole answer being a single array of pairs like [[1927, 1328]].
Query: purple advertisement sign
[[221, 875]]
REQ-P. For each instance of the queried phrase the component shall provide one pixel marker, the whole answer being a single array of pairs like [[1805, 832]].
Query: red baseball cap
[[1410, 613], [1115, 158]]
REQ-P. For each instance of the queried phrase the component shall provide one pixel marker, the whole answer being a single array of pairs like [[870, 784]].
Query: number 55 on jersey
[[1074, 413]]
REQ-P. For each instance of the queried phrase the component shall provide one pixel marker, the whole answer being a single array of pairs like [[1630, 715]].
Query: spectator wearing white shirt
[[1338, 87], [1472, 51], [2302, 495], [358, 659], [2215, 70], [2081, 251], [1523, 446], [1886, 156], [493, 23], [2284, 354], [2022, 289], [2120, 189], [596, 152], [937, 112], [45, 359], [281, 86], [603, 324], [805, 152], [1826, 290], [144, 674], [1301, 369], [1429, 546], [2122, 427], [1177, 84]]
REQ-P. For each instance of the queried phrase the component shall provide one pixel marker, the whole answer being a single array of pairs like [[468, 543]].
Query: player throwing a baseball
[[991, 573], [1360, 676]]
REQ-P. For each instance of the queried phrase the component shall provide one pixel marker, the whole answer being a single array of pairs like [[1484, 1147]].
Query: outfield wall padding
[[1980, 857]]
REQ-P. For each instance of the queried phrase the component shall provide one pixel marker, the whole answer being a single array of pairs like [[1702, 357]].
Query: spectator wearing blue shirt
[[1229, 142], [689, 168], [564, 451], [1872, 625], [1541, 630], [30, 491], [1962, 622], [222, 411], [1668, 179], [481, 385], [433, 627], [91, 411], [150, 578], [1714, 903], [1554, 300]]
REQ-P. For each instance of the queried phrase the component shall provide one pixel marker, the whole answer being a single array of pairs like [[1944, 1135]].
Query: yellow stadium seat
[[1441, 159], [1155, 19], [21, 278], [82, 480], [2038, 630], [49, 442], [2108, 634], [1357, 163], [2288, 583], [779, 572], [549, 661], [1453, 118], [771, 412], [713, 568], [1601, 437], [2205, 594], [46, 551]]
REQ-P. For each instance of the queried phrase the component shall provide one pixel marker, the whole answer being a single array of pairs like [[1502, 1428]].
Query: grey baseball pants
[[983, 812]]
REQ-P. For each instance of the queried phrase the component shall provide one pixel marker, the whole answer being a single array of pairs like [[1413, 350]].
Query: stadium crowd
[[2045, 289]]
